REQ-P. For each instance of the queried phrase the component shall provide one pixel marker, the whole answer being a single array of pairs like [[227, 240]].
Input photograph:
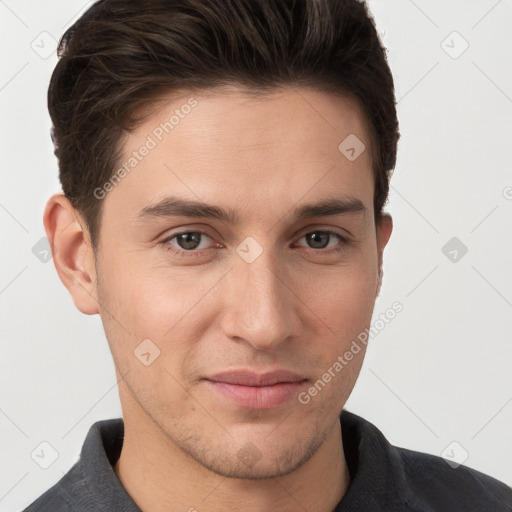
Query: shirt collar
[[377, 476], [100, 451]]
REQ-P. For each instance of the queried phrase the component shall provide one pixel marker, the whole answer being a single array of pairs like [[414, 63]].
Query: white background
[[438, 373]]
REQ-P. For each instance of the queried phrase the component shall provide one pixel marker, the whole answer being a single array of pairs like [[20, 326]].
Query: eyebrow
[[177, 207]]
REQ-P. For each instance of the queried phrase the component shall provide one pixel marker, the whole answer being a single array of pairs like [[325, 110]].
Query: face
[[222, 318]]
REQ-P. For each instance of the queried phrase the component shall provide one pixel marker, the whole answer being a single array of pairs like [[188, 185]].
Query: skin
[[295, 307]]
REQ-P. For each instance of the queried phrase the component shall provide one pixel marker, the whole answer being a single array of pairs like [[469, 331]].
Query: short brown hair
[[122, 53]]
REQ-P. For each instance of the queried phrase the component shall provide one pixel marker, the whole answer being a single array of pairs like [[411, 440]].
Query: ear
[[72, 252], [384, 228]]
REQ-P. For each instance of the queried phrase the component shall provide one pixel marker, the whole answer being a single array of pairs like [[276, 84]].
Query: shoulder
[[398, 479], [90, 485], [56, 498], [432, 484]]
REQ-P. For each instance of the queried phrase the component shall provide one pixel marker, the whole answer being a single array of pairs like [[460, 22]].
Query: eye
[[320, 240], [186, 242], [193, 243]]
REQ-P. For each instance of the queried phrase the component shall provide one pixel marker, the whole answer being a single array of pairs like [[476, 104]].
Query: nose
[[260, 306]]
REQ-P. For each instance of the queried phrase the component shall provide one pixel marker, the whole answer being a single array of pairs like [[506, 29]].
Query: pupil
[[314, 237], [189, 238]]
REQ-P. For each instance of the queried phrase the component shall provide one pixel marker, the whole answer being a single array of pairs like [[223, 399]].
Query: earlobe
[[384, 230], [72, 252]]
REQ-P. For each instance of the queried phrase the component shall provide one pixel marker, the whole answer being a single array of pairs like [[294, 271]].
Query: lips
[[249, 378], [252, 390]]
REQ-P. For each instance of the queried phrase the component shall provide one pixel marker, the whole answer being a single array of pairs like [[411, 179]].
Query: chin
[[255, 457]]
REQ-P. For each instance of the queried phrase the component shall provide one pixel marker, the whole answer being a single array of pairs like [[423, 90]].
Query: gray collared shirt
[[384, 478]]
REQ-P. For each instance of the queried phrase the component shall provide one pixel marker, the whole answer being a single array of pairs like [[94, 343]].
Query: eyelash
[[199, 252]]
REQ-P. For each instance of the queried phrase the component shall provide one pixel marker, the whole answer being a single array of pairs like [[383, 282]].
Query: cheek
[[145, 316], [149, 301], [343, 298]]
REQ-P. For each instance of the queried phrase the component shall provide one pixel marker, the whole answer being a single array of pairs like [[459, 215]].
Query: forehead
[[251, 151]]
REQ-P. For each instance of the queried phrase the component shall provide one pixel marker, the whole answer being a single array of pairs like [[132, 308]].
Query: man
[[225, 165]]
